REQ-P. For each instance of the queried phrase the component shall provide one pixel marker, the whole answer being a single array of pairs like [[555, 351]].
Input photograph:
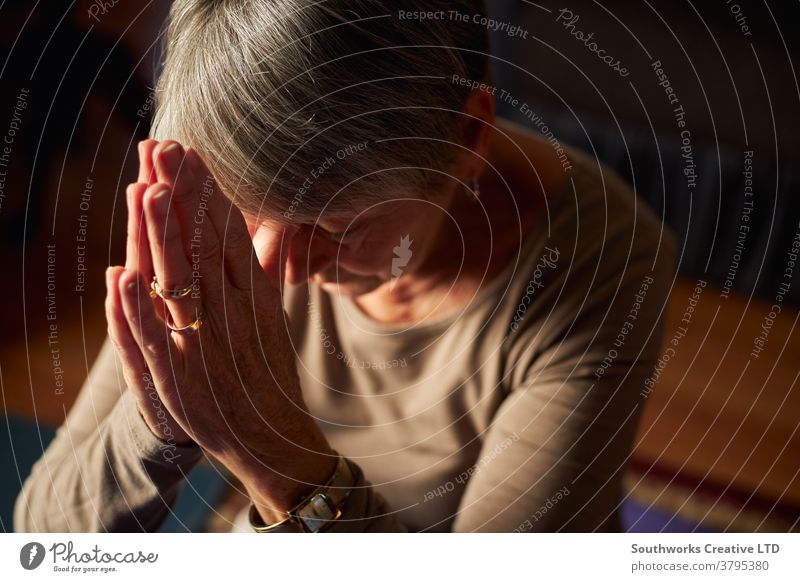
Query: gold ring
[[190, 329], [157, 290]]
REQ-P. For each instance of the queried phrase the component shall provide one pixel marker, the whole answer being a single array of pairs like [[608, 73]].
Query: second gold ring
[[157, 290]]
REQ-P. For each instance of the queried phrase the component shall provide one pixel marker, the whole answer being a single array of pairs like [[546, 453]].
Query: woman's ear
[[477, 126]]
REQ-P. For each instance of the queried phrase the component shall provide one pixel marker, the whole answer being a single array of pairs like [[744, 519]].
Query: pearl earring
[[476, 189]]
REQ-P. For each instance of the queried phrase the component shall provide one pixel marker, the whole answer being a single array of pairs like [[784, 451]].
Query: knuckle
[[172, 236]]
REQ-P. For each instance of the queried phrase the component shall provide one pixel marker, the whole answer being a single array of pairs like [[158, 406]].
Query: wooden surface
[[720, 414]]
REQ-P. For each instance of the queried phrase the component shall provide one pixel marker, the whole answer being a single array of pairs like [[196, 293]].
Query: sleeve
[[554, 455], [366, 510], [105, 470]]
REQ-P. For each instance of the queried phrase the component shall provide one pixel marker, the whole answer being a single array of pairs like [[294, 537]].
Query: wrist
[[317, 511], [165, 433], [278, 486]]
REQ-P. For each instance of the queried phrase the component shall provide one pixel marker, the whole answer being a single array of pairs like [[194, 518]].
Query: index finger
[[137, 255], [146, 173]]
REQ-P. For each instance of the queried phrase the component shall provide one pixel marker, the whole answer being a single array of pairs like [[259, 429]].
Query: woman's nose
[[309, 253]]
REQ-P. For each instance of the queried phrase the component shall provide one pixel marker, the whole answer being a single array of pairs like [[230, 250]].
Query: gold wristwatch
[[319, 510]]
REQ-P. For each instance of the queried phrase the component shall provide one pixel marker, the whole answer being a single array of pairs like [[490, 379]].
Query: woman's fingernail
[[172, 153]]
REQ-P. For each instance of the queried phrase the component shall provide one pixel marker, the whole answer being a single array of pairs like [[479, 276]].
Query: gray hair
[[271, 91]]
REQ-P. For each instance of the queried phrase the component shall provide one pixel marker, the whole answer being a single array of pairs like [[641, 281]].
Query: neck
[[475, 243], [479, 237]]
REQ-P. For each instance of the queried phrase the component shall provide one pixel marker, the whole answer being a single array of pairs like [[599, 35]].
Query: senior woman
[[376, 305]]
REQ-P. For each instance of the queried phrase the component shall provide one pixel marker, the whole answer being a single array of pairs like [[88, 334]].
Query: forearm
[[121, 479]]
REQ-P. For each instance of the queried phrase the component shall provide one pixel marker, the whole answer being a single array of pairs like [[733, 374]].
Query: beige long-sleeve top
[[515, 414]]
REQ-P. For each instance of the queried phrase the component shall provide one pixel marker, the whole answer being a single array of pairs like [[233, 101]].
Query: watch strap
[[318, 510]]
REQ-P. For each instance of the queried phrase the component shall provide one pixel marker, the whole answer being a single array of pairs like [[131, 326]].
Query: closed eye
[[349, 233]]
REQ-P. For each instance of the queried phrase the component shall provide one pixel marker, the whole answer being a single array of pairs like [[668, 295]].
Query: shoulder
[[609, 204], [609, 253], [605, 229]]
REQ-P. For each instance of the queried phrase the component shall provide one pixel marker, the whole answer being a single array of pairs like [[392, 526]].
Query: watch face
[[317, 512]]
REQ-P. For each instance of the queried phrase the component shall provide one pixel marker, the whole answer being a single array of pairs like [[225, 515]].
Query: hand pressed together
[[230, 385]]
